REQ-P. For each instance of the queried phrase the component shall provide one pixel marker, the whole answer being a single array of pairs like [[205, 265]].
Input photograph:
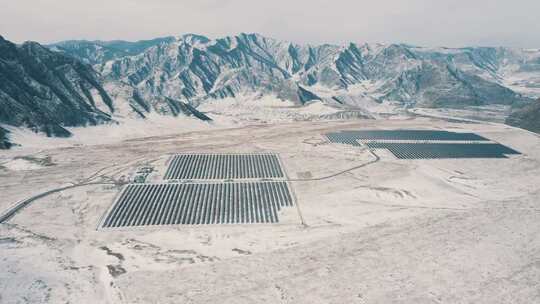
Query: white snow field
[[365, 228]]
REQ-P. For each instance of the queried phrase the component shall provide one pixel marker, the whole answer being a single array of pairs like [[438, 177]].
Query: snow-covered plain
[[395, 231], [265, 109], [122, 129]]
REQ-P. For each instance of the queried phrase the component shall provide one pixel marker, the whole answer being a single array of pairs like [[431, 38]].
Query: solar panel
[[411, 135], [346, 139], [199, 204], [223, 166], [444, 150]]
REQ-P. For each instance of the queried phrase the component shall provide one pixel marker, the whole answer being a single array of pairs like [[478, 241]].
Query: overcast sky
[[451, 23]]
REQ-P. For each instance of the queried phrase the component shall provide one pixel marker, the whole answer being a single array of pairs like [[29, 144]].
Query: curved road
[[6, 215], [377, 158]]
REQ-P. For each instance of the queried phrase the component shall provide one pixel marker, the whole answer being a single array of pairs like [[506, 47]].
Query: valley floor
[[394, 231]]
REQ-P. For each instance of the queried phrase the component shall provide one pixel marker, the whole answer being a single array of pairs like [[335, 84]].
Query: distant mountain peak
[[193, 38]]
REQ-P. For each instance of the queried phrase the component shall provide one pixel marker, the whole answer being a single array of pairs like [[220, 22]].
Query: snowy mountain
[[94, 52], [79, 83], [194, 68], [47, 91]]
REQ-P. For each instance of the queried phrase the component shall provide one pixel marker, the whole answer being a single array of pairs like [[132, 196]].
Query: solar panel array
[[223, 166], [410, 135], [343, 138], [199, 203], [424, 144], [444, 150]]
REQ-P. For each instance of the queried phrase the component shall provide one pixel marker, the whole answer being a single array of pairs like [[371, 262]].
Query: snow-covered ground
[[20, 164], [396, 231], [265, 109], [489, 113], [124, 129]]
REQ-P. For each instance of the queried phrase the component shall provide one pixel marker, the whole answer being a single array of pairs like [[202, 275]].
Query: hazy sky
[[422, 22]]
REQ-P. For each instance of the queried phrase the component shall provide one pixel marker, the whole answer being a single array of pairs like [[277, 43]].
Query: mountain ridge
[[79, 82], [194, 70], [45, 91]]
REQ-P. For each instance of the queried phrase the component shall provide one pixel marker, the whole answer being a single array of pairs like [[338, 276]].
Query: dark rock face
[[46, 91], [526, 117], [4, 141], [178, 107], [305, 95]]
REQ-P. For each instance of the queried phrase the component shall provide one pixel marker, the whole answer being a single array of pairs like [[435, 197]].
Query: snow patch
[[20, 164], [266, 109], [129, 128]]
